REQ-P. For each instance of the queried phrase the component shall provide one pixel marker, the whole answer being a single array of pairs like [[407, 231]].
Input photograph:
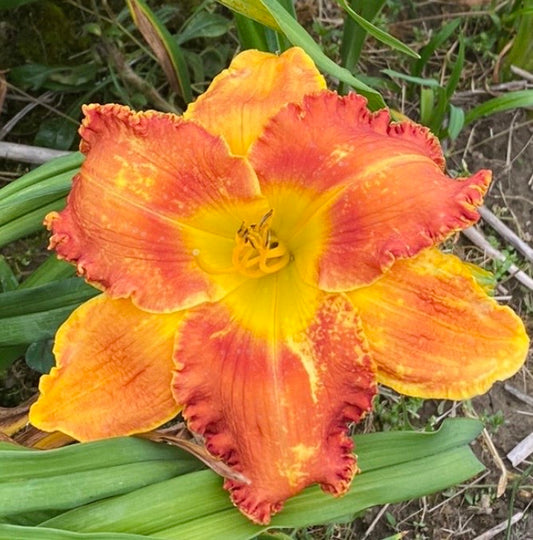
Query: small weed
[[397, 413], [492, 422]]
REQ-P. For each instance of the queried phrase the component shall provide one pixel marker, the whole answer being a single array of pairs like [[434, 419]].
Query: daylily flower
[[266, 259]]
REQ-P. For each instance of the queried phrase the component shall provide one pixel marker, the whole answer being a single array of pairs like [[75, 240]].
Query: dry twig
[[491, 533], [28, 154], [506, 233], [477, 238], [519, 395], [521, 451]]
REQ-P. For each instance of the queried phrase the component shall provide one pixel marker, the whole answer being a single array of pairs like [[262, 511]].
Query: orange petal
[[274, 405], [433, 331], [138, 207], [379, 186], [256, 85], [113, 372]]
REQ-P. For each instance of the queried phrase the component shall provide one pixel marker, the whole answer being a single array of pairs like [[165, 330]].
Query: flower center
[[257, 250]]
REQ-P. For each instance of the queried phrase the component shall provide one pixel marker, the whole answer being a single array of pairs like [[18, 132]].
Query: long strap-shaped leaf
[[266, 11], [297, 35], [34, 313], [165, 47], [25, 202], [12, 532], [396, 466]]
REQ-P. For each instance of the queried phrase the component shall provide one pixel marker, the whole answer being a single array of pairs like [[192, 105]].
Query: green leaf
[[31, 76], [9, 354], [252, 34], [67, 491], [39, 356], [435, 123], [299, 37], [395, 466], [44, 297], [456, 121], [55, 167], [32, 197], [377, 33], [33, 326], [51, 269], [8, 281], [18, 532], [374, 449], [253, 9], [29, 223], [11, 4], [457, 69], [61, 78], [81, 457], [431, 83], [512, 100], [165, 47], [204, 25], [271, 13], [35, 313], [282, 41], [58, 133], [353, 36], [425, 54], [427, 102]]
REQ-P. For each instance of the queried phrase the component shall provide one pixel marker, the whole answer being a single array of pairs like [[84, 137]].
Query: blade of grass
[[377, 33], [443, 100], [353, 36], [430, 83], [425, 54], [512, 100]]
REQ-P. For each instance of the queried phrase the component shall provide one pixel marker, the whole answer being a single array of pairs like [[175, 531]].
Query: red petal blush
[[153, 190], [275, 408], [379, 186]]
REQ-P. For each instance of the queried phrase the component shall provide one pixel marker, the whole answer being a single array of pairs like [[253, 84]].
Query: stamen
[[257, 251]]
